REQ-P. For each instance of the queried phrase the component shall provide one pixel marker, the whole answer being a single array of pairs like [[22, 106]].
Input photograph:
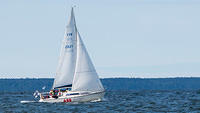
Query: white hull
[[76, 98]]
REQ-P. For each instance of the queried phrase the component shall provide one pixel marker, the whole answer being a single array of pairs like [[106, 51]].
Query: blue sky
[[125, 38]]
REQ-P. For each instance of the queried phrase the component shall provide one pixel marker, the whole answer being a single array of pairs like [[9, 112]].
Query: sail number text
[[69, 46]]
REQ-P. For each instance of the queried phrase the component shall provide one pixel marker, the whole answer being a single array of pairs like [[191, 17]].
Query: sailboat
[[76, 79]]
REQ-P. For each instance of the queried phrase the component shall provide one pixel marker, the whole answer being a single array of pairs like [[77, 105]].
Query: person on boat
[[51, 92], [41, 96]]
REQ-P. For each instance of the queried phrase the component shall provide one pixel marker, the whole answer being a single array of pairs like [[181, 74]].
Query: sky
[[124, 38]]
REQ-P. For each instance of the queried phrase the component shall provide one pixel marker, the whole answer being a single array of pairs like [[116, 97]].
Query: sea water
[[114, 101]]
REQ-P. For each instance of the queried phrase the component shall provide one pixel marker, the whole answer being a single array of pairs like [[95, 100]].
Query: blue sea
[[114, 101]]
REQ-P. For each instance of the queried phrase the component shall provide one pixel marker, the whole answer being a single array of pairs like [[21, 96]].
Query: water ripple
[[116, 101]]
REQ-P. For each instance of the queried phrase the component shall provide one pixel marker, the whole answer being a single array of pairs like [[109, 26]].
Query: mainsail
[[67, 60], [85, 78]]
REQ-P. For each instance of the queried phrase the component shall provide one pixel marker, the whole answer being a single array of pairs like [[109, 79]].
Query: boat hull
[[79, 98]]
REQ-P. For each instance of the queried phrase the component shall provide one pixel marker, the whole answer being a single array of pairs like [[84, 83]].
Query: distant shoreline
[[110, 84]]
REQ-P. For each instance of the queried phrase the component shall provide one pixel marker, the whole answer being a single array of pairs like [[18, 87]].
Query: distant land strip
[[110, 84]]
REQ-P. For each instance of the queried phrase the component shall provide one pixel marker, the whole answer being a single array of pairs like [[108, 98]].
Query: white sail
[[85, 78], [67, 60]]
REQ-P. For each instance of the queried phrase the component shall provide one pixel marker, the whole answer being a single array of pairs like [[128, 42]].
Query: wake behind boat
[[76, 78]]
